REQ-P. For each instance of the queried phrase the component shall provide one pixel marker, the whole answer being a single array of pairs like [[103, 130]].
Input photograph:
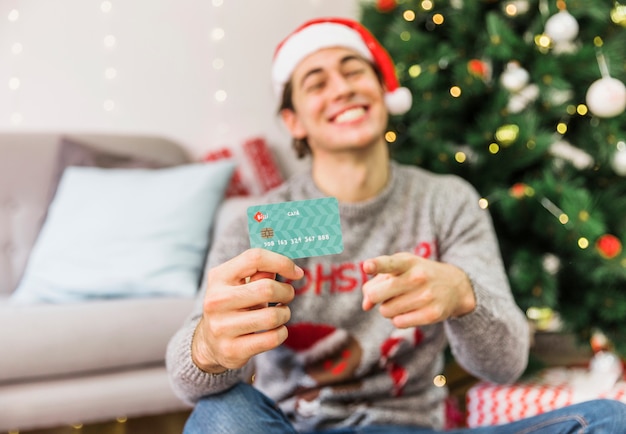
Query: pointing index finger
[[387, 264]]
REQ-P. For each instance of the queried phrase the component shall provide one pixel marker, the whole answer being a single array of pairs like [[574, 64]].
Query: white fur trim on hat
[[309, 40], [399, 101]]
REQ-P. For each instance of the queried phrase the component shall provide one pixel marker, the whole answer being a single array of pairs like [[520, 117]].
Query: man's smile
[[349, 115]]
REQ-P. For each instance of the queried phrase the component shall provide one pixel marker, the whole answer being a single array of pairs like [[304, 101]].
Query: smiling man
[[351, 342]]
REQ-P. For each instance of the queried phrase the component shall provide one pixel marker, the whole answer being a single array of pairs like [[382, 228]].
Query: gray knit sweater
[[343, 366]]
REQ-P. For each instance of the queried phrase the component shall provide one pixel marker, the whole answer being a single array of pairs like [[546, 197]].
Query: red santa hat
[[321, 33]]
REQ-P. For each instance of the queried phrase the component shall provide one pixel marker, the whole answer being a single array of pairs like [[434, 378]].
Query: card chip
[[267, 233]]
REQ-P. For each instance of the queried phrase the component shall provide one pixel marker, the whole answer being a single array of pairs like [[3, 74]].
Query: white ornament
[[567, 47], [618, 162], [576, 156], [551, 263], [605, 370], [520, 100], [558, 96], [514, 77], [606, 97], [457, 4], [562, 27]]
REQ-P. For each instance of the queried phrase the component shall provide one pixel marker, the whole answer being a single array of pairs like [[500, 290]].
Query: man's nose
[[340, 85]]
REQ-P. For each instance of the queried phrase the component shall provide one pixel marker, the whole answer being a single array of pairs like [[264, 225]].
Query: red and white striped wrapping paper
[[493, 404]]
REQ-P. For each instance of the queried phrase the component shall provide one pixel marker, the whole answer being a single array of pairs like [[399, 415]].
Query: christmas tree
[[526, 100]]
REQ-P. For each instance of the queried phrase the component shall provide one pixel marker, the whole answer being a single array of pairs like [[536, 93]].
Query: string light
[[110, 43], [218, 63], [15, 83], [14, 15], [108, 105], [427, 5], [483, 203], [16, 118], [390, 136], [583, 215], [440, 380], [415, 71], [583, 243], [408, 15], [221, 95], [510, 10], [543, 41], [217, 34], [110, 73], [106, 6]]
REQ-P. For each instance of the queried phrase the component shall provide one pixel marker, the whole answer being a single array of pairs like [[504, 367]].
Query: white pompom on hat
[[329, 32]]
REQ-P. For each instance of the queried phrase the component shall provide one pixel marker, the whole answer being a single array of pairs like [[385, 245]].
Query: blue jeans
[[245, 410]]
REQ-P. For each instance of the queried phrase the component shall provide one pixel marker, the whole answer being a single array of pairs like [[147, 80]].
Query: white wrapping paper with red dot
[[493, 404]]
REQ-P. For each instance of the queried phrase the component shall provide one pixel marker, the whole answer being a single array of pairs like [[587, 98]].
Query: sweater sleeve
[[188, 381], [491, 342]]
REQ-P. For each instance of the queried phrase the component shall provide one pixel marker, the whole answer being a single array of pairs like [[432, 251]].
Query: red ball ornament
[[599, 342], [479, 68], [518, 190], [386, 5], [609, 246]]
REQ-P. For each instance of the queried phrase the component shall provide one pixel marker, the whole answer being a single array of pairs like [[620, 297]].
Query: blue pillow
[[114, 233]]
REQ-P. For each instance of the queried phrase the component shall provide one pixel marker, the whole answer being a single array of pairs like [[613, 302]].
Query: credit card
[[297, 229]]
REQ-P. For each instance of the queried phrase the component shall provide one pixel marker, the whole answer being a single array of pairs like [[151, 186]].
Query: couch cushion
[[125, 233], [31, 165], [51, 340], [28, 169]]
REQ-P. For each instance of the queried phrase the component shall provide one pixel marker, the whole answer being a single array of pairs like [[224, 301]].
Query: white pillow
[[114, 233]]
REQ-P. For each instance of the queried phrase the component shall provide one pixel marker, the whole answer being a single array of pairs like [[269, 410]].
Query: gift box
[[493, 404]]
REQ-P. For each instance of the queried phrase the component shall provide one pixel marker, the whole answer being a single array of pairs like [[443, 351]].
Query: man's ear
[[292, 122]]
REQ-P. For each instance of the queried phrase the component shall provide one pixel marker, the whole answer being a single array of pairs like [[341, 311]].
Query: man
[[351, 342]]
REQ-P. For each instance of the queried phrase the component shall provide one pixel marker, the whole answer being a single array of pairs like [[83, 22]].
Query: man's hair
[[301, 146]]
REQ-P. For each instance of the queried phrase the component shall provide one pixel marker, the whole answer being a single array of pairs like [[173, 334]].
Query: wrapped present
[[552, 388]]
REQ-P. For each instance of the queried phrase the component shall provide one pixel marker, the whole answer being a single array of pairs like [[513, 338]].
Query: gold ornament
[[618, 14], [507, 134], [544, 318]]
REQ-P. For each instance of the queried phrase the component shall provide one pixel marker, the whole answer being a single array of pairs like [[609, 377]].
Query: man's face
[[338, 102]]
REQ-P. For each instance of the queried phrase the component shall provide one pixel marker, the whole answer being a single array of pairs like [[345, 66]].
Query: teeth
[[350, 115]]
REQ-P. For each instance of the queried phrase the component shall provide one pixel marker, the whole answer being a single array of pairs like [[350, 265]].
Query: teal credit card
[[297, 229]]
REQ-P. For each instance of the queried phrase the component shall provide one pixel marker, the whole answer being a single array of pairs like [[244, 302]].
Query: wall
[[193, 70]]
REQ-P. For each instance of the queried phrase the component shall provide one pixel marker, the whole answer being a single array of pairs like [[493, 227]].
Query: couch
[[71, 361]]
